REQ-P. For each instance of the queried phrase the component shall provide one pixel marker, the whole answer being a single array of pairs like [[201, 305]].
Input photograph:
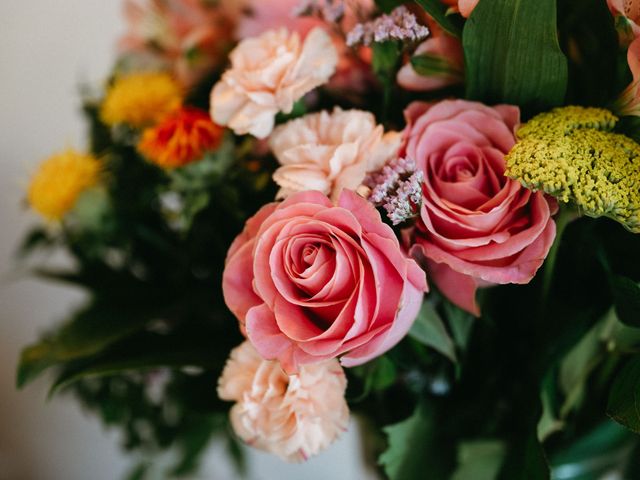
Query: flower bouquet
[[423, 215]]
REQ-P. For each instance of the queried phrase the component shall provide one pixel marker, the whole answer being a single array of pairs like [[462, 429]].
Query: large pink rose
[[476, 227], [310, 281]]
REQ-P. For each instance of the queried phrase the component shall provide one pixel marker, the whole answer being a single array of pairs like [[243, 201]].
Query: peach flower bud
[[330, 151], [444, 47], [268, 74], [464, 7], [294, 416]]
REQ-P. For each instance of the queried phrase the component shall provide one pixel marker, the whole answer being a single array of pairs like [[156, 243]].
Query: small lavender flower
[[398, 189], [400, 24], [330, 11]]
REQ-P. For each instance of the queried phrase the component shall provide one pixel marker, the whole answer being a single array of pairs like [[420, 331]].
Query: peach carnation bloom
[[330, 151], [268, 74], [294, 416]]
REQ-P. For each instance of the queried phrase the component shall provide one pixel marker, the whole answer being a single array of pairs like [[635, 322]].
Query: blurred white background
[[47, 49]]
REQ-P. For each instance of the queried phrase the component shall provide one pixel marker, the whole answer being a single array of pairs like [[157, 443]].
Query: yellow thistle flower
[[60, 180], [141, 99], [572, 154]]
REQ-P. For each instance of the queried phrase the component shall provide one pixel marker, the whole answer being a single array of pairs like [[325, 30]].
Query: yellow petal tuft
[[141, 99], [60, 180]]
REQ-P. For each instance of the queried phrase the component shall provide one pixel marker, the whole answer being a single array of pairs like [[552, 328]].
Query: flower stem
[[565, 215]]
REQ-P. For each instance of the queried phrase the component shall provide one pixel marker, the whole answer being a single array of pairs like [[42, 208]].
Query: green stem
[[565, 215]]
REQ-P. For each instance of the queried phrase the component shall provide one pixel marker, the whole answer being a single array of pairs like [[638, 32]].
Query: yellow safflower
[[141, 99], [60, 180], [573, 154]]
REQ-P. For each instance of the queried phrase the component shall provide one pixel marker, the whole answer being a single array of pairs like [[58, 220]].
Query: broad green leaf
[[479, 460], [378, 374], [413, 448], [624, 397], [512, 54], [549, 422], [433, 65], [438, 11], [626, 296], [88, 333], [429, 329], [461, 324], [140, 361], [590, 457]]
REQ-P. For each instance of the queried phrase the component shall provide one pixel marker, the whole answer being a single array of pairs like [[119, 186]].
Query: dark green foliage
[[452, 24], [512, 54]]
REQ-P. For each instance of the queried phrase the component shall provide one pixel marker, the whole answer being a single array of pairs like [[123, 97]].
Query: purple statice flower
[[400, 24], [397, 188], [330, 11]]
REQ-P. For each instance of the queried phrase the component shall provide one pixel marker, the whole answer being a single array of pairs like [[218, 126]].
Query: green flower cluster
[[573, 154]]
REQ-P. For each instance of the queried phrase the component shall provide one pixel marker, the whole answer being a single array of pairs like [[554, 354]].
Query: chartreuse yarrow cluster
[[573, 154]]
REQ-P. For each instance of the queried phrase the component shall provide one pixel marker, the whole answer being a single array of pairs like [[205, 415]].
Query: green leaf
[[479, 460], [549, 422], [526, 460], [36, 238], [592, 456], [402, 460], [89, 332], [438, 11], [429, 329], [461, 324], [386, 6], [588, 36], [433, 65], [624, 397], [147, 359], [626, 296], [386, 58], [512, 54]]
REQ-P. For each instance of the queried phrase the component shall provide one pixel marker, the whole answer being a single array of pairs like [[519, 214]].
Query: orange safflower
[[183, 137]]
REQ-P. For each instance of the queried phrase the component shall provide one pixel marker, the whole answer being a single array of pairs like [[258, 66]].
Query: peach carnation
[[330, 151], [293, 417], [268, 74]]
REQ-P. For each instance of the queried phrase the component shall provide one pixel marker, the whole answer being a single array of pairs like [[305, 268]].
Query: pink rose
[[310, 281], [477, 227]]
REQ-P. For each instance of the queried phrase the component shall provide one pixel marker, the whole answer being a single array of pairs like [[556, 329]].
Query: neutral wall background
[[47, 48]]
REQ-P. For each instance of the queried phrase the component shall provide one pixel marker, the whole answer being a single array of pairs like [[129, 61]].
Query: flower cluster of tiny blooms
[[329, 10], [398, 189], [141, 99], [572, 154], [400, 24], [59, 181]]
